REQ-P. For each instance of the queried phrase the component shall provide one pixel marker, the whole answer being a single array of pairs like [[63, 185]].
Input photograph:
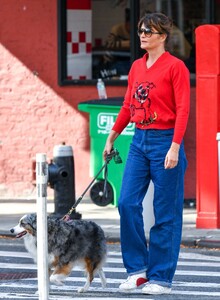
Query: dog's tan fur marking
[[89, 268], [55, 262], [65, 270]]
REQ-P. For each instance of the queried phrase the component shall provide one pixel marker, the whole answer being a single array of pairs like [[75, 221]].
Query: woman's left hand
[[171, 159]]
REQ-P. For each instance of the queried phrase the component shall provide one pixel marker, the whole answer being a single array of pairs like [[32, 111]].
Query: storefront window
[[186, 15], [111, 51], [97, 38]]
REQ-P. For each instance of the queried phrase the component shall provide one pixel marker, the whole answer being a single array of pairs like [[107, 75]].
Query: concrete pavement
[[11, 210]]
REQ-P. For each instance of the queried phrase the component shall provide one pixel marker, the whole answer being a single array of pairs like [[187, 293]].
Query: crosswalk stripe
[[180, 263], [111, 281], [197, 273], [117, 281], [14, 254], [111, 260], [108, 289], [183, 255], [27, 287], [26, 254], [115, 260], [199, 264], [23, 296], [111, 269], [197, 284], [115, 257], [196, 293], [114, 290], [195, 256]]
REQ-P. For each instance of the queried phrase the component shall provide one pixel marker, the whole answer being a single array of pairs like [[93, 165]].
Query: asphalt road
[[197, 276]]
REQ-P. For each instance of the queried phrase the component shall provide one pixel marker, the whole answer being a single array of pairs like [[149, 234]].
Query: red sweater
[[158, 97]]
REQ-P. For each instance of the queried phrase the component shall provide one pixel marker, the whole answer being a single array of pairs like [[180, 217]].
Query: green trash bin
[[103, 114]]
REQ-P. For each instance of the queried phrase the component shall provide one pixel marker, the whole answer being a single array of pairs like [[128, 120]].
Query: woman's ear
[[163, 37]]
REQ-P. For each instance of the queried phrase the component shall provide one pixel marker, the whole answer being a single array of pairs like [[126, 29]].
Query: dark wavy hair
[[158, 21]]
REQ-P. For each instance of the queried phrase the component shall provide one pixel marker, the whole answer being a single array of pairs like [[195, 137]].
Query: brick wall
[[35, 113]]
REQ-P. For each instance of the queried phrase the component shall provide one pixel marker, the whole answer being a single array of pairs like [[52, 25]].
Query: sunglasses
[[147, 32]]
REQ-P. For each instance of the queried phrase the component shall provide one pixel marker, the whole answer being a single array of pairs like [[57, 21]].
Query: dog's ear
[[33, 220], [29, 223]]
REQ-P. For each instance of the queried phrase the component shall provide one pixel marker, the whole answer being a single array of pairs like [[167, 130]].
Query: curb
[[208, 243], [200, 243]]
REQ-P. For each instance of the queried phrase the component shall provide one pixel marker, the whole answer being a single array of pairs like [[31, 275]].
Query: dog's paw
[[84, 288], [104, 284], [81, 290], [56, 282], [56, 279]]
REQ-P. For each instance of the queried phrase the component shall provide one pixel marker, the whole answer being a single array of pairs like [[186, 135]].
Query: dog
[[70, 243]]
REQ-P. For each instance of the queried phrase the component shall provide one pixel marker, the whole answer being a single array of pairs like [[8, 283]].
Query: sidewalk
[[108, 218]]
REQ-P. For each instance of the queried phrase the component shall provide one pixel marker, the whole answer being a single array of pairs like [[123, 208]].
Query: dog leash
[[114, 153]]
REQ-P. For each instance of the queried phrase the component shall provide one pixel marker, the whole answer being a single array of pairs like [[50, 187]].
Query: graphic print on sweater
[[141, 111]]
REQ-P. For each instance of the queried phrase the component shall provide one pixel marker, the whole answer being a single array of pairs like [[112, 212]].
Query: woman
[[157, 101]]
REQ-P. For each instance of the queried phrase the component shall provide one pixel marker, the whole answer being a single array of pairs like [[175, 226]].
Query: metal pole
[[42, 246]]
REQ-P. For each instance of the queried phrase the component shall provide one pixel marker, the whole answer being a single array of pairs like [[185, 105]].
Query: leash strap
[[105, 190], [67, 216], [114, 153]]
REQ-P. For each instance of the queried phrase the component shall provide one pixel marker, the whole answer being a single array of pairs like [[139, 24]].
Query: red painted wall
[[35, 113]]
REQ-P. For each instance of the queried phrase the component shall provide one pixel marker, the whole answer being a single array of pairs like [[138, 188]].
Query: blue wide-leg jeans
[[145, 162]]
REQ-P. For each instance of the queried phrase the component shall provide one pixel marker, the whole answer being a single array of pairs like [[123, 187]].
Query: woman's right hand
[[108, 148], [109, 143]]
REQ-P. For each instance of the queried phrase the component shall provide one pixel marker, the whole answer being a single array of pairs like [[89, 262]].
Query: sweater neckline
[[165, 54]]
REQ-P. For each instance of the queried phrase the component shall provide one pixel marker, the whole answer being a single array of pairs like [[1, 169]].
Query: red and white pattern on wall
[[79, 39]]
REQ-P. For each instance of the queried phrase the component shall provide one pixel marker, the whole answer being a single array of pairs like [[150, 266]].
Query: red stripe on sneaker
[[141, 281]]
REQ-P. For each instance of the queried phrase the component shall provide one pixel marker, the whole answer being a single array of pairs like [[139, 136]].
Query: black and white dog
[[69, 243]]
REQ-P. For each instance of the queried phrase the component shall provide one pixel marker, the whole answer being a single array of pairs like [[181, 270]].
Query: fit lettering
[[106, 120]]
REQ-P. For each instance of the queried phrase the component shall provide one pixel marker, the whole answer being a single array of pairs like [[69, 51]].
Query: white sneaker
[[155, 289], [133, 282]]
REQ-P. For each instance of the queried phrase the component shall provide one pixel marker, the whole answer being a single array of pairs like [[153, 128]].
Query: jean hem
[[137, 272], [161, 283]]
